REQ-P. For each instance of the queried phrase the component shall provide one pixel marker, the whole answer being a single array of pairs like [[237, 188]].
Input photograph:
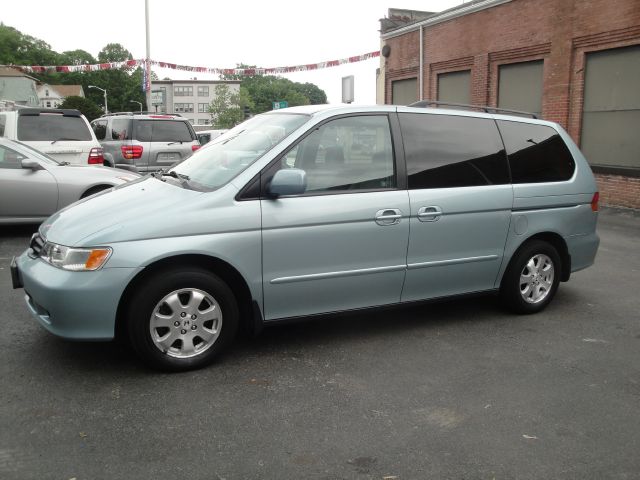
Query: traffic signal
[[247, 112]]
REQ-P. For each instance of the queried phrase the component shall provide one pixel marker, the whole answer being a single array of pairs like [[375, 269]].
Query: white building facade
[[190, 98], [51, 96]]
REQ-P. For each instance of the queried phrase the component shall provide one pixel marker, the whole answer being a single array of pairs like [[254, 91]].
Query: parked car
[[312, 210], [64, 135], [33, 185], [144, 143], [205, 136]]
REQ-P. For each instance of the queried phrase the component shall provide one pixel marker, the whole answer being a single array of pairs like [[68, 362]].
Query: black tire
[[510, 290], [188, 281]]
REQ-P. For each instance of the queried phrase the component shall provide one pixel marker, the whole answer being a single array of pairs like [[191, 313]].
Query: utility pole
[[147, 65]]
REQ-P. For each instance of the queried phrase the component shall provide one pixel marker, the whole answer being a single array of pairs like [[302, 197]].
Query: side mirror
[[31, 165], [290, 181]]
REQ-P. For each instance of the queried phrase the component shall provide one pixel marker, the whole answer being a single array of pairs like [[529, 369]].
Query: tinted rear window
[[444, 151], [163, 131], [52, 127], [536, 153]]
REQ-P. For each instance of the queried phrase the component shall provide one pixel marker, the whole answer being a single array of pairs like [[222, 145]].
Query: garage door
[[520, 86], [611, 113], [404, 92], [455, 87]]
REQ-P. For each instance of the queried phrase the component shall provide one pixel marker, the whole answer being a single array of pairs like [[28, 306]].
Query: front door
[[342, 244]]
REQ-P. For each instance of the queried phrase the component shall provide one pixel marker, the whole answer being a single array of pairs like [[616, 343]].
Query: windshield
[[225, 157]]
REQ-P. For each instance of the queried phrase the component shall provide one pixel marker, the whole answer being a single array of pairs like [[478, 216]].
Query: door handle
[[429, 214], [388, 216]]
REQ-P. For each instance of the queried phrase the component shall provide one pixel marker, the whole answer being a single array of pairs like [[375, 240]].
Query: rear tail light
[[96, 156], [594, 201], [131, 151], [195, 147]]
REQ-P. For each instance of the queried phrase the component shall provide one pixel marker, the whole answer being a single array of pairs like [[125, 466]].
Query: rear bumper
[[73, 305], [583, 250]]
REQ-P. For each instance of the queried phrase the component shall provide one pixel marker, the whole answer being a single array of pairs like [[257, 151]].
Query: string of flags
[[187, 68]]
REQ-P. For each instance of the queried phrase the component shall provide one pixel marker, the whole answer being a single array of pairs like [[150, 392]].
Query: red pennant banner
[[187, 68]]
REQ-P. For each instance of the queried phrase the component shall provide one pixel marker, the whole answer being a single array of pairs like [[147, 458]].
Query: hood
[[95, 172], [145, 208]]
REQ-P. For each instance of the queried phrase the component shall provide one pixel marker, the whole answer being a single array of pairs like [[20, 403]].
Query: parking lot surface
[[455, 390]]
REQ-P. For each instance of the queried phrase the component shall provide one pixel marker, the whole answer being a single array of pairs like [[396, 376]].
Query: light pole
[[106, 110], [139, 103]]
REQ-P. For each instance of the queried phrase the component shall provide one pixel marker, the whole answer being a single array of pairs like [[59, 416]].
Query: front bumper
[[73, 305]]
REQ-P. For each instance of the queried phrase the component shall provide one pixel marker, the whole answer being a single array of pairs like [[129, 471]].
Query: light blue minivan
[[312, 210]]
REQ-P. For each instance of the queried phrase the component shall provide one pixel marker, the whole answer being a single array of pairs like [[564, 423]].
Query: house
[[17, 88], [50, 96]]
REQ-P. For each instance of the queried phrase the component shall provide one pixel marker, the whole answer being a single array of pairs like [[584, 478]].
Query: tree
[[88, 108], [227, 108], [114, 52], [266, 89], [76, 57], [20, 49]]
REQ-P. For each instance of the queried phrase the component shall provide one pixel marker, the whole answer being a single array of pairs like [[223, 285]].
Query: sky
[[211, 33]]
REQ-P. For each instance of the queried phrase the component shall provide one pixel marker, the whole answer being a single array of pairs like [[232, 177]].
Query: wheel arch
[[95, 189], [558, 243], [250, 318]]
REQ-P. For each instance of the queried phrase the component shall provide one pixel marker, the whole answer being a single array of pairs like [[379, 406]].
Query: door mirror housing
[[290, 181], [31, 165]]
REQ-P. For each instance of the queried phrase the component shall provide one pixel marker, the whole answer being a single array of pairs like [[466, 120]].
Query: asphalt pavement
[[455, 390]]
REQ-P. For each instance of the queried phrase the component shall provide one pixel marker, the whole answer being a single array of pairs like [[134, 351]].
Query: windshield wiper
[[173, 143], [64, 163], [179, 176], [63, 138]]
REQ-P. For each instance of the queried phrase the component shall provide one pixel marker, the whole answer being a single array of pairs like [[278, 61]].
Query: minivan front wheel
[[532, 278], [182, 319]]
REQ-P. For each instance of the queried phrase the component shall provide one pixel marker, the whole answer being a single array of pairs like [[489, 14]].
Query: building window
[[201, 121], [520, 86], [183, 91], [191, 121], [203, 91], [455, 87], [203, 107], [183, 107], [404, 92], [46, 93], [48, 104]]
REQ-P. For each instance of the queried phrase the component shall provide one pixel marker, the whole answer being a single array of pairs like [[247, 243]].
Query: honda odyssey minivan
[[312, 210]]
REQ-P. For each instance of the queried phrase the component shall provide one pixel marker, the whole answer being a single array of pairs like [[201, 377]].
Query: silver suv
[[144, 143], [312, 210]]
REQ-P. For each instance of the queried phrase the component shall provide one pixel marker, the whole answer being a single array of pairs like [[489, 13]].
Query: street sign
[[157, 97], [279, 105], [347, 89]]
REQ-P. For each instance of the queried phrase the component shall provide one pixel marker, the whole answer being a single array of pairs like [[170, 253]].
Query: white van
[[63, 134]]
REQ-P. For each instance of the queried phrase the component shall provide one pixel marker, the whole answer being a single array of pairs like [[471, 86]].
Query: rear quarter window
[[121, 129], [536, 153], [52, 127]]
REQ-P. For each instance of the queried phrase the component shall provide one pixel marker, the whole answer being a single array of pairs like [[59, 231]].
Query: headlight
[[75, 259]]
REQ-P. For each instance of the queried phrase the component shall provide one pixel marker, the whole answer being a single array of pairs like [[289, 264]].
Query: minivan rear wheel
[[532, 277], [182, 319]]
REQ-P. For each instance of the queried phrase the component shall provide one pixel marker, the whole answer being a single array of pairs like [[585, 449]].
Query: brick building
[[576, 62]]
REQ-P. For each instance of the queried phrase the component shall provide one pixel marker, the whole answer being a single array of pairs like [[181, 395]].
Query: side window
[[3, 122], [347, 154], [10, 158], [536, 153], [100, 129], [445, 151], [121, 129]]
